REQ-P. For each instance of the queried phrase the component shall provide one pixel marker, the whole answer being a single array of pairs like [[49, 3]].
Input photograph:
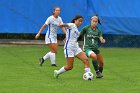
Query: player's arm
[[64, 30], [40, 31], [43, 27], [102, 40], [63, 25]]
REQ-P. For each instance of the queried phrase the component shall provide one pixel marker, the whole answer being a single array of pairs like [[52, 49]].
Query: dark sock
[[95, 65], [101, 69]]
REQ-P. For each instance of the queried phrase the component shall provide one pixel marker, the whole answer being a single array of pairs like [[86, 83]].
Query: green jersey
[[91, 37]]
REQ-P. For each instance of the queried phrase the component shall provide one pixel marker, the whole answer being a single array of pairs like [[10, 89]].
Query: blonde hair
[[94, 17]]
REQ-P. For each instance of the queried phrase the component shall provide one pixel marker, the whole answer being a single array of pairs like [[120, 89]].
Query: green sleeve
[[100, 33], [82, 32]]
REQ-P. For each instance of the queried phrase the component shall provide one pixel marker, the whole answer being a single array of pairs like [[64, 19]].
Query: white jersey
[[72, 35], [53, 23], [71, 46]]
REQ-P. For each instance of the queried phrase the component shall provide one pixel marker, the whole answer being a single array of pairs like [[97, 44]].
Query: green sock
[[101, 69], [95, 65]]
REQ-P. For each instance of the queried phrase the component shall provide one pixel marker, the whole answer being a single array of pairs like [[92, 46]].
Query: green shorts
[[89, 51]]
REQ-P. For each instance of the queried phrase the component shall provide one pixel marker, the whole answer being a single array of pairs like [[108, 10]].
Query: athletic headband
[[94, 17]]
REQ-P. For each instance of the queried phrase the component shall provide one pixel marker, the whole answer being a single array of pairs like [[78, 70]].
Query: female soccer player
[[71, 48], [51, 35], [92, 35]]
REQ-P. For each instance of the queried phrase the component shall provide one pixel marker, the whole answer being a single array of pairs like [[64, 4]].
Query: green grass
[[21, 73]]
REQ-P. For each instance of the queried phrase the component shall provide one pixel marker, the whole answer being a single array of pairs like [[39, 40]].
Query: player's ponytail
[[75, 18]]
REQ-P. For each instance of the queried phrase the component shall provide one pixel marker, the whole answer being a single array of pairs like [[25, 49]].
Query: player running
[[71, 48], [51, 35], [92, 35]]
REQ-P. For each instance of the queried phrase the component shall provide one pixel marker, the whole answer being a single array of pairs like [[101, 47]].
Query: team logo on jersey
[[92, 36], [54, 24]]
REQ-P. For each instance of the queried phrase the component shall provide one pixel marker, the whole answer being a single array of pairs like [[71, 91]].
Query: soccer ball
[[88, 76]]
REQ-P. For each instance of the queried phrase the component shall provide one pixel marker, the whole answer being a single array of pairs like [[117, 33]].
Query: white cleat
[[55, 74]]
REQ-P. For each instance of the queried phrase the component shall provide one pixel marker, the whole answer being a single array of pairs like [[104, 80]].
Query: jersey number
[[92, 41]]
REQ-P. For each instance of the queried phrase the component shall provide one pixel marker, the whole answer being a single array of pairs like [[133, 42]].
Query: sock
[[87, 69], [61, 70], [95, 65], [101, 69], [52, 58], [47, 56]]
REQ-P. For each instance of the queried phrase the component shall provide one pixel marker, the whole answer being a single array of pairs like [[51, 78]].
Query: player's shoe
[[41, 61], [55, 74], [99, 75], [54, 65]]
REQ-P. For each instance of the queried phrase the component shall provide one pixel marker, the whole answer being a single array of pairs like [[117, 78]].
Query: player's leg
[[85, 60], [93, 56], [52, 43], [51, 54], [44, 58], [100, 62], [53, 48], [68, 67], [69, 55], [95, 65]]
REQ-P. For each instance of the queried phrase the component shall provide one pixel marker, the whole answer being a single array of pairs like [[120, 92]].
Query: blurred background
[[22, 19]]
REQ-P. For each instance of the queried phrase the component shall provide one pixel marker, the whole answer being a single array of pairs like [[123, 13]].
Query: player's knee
[[54, 51], [93, 56]]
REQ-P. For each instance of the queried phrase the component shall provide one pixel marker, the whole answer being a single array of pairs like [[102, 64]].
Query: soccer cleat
[[99, 75], [55, 74], [54, 65], [41, 61]]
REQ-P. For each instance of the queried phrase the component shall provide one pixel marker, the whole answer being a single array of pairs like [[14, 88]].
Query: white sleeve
[[47, 21], [70, 25]]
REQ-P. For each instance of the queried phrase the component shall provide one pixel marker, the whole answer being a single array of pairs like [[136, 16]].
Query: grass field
[[21, 73]]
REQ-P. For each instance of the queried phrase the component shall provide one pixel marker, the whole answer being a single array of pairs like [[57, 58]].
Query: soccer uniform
[[91, 38], [71, 47], [51, 34]]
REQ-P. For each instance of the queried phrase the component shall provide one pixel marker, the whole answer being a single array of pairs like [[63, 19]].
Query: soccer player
[[92, 35], [51, 35], [71, 48]]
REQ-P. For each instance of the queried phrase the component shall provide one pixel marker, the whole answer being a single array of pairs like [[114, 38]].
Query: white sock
[[87, 69], [61, 70], [52, 58], [47, 56]]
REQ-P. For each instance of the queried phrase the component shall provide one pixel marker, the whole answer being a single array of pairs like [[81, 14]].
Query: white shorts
[[72, 52], [50, 40]]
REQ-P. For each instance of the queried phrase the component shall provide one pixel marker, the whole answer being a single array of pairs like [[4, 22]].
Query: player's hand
[[37, 36], [103, 41]]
